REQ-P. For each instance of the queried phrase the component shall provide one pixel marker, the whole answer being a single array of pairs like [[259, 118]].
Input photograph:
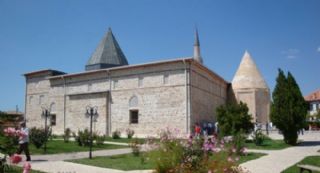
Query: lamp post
[[91, 112], [46, 115]]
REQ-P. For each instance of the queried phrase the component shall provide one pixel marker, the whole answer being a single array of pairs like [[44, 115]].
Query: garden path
[[278, 160]]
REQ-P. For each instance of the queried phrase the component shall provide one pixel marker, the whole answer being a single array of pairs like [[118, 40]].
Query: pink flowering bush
[[15, 159], [194, 155], [26, 167], [8, 145]]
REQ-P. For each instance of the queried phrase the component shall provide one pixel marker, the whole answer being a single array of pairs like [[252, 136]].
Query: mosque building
[[147, 97]]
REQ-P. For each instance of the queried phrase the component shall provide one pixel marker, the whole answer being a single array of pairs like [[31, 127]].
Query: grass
[[129, 162], [268, 144], [124, 140], [59, 146], [122, 162], [310, 160]]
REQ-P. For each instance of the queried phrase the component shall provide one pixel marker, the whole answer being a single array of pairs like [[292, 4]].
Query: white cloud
[[291, 53], [318, 50]]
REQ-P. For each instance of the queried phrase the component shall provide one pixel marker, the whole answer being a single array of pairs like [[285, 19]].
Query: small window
[[30, 99], [115, 84], [134, 116], [133, 102], [53, 119], [53, 107], [165, 79], [140, 82], [41, 99]]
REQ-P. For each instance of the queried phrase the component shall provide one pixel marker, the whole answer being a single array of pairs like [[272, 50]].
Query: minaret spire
[[196, 48]]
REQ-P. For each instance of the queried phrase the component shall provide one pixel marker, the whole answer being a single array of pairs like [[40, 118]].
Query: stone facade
[[249, 87], [145, 98], [173, 94]]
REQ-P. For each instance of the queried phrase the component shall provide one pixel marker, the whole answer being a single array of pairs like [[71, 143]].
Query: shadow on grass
[[309, 143]]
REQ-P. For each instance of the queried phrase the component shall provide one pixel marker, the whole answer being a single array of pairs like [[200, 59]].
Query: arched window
[[133, 111], [133, 102], [53, 107]]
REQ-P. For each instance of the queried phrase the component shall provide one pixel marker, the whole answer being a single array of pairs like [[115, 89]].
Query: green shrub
[[67, 135], [85, 137], [234, 117], [38, 136], [135, 147], [100, 139], [195, 155], [77, 138], [116, 134], [258, 137], [82, 138], [130, 133], [239, 140]]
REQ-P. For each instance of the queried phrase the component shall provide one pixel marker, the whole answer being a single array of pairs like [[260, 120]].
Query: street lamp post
[[46, 115], [91, 112]]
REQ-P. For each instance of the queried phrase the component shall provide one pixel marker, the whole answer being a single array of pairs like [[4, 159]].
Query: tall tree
[[289, 109]]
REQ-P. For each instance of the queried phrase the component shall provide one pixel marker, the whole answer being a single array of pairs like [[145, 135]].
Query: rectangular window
[[115, 84], [41, 99], [140, 82], [134, 116], [165, 79], [53, 119], [30, 99], [314, 108]]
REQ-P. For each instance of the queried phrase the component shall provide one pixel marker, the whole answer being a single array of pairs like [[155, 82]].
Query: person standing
[[24, 141], [197, 130]]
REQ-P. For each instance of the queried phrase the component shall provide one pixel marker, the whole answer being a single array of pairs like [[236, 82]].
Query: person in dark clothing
[[24, 141]]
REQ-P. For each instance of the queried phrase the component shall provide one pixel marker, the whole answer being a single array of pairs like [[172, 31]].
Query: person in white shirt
[[24, 141]]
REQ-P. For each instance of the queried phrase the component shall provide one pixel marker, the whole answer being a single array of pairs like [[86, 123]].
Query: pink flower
[[10, 131], [230, 159], [15, 159], [26, 167], [244, 150], [234, 150], [237, 159]]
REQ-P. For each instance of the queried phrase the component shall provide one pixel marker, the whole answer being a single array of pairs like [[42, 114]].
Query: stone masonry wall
[[207, 93], [37, 97]]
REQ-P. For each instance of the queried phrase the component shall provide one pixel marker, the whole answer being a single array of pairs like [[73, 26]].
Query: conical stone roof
[[107, 54], [248, 75]]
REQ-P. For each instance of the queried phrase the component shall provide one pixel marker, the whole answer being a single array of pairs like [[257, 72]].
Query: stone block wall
[[208, 91], [36, 97]]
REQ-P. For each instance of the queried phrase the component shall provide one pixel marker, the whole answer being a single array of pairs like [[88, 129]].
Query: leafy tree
[[233, 118], [289, 109]]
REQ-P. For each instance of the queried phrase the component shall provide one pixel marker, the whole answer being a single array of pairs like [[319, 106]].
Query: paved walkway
[[278, 160]]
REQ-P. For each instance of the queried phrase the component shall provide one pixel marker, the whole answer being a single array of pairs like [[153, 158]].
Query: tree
[[234, 118], [288, 109]]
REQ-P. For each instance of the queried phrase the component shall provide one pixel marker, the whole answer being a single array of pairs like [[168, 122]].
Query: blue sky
[[62, 35]]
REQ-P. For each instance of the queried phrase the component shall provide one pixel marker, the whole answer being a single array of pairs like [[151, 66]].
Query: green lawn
[[268, 144], [250, 156], [124, 140], [311, 160], [129, 162], [59, 146]]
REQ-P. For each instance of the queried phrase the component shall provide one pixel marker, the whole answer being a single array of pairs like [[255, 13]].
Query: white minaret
[[196, 48]]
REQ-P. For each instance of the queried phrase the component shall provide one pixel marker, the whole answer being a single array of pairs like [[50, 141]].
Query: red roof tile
[[315, 96]]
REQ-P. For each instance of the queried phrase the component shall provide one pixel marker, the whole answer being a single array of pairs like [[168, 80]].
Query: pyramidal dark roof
[[107, 54]]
